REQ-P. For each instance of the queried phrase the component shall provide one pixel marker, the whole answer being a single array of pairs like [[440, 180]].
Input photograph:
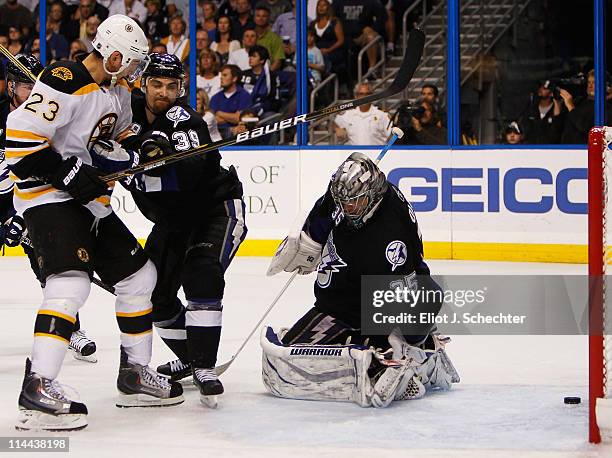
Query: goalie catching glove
[[297, 252]]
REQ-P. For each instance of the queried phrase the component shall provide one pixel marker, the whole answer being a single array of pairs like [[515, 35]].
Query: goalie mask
[[358, 187]]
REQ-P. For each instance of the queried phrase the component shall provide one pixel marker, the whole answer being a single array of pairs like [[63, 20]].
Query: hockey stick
[[223, 367], [412, 57], [397, 133]]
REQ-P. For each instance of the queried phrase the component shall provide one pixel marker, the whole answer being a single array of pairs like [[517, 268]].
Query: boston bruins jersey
[[180, 193], [66, 112], [388, 244]]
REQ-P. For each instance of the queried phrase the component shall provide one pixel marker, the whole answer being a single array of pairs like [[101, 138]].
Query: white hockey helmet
[[123, 34]]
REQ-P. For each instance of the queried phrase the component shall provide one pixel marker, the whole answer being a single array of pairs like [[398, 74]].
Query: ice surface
[[509, 402]]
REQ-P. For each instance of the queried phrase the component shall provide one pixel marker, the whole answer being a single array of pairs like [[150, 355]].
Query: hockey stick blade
[[412, 57]]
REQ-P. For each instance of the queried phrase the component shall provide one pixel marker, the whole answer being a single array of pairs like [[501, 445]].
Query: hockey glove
[[296, 252], [13, 231], [155, 144], [109, 156], [80, 180]]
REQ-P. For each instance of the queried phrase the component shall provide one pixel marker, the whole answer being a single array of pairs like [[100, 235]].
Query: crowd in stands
[[246, 61]]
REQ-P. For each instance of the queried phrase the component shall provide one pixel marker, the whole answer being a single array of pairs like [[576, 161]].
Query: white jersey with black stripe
[[67, 112]]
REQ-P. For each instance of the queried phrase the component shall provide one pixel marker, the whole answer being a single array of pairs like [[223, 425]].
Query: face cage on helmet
[[355, 220], [139, 70]]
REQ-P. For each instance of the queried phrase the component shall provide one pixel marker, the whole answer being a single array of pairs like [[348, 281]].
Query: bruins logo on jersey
[[62, 73], [103, 130]]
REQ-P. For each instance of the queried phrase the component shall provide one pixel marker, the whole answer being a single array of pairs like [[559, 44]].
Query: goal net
[[600, 300]]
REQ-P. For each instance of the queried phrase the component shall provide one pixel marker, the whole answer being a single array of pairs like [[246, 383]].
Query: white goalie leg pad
[[316, 372]]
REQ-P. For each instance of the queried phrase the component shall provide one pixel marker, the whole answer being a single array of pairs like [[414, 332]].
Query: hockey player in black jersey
[[363, 225], [19, 87], [198, 212]]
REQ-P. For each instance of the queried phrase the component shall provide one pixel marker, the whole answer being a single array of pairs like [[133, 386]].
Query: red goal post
[[600, 256]]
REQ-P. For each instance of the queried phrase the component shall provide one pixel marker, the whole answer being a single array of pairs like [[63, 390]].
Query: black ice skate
[[82, 347], [176, 370], [43, 406], [141, 386], [209, 385]]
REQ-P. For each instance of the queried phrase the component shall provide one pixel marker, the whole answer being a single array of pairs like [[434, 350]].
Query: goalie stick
[[412, 57]]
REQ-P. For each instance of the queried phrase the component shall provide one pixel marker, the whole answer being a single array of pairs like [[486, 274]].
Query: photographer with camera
[[425, 124], [581, 113], [543, 119]]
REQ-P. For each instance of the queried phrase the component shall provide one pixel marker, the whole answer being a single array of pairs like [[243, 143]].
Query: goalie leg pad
[[316, 372]]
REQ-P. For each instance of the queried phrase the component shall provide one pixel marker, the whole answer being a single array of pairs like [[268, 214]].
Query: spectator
[[90, 32], [76, 26], [172, 10], [156, 24], [159, 48], [276, 8], [15, 44], [329, 36], [224, 44], [267, 38], [177, 42], [130, 8], [228, 8], [240, 57], [513, 134], [363, 21], [202, 107], [259, 83], [57, 46], [209, 79], [4, 42], [12, 14], [201, 41], [316, 64], [228, 103], [209, 24], [285, 27], [430, 93], [427, 126], [364, 125], [543, 120], [243, 19], [581, 113], [77, 48], [258, 55]]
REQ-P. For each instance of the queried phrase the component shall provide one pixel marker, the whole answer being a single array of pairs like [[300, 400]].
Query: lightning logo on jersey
[[330, 263]]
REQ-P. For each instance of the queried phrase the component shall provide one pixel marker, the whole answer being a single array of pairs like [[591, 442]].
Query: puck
[[572, 400]]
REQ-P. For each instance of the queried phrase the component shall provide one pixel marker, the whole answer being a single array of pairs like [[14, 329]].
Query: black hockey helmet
[[14, 73], [165, 66]]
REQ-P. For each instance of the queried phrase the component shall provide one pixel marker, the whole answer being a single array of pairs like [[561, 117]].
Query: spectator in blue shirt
[[228, 103]]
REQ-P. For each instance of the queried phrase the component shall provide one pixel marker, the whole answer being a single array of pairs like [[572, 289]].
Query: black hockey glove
[[155, 145], [80, 180], [13, 231]]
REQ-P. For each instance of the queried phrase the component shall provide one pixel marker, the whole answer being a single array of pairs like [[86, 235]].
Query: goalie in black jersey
[[12, 226], [350, 232], [198, 212]]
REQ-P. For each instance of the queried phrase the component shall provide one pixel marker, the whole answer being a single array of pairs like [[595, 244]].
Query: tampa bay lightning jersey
[[388, 244], [180, 193]]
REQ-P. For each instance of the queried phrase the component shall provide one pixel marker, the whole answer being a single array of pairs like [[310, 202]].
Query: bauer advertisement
[[472, 204]]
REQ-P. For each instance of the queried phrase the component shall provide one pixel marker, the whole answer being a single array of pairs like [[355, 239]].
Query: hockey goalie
[[351, 231]]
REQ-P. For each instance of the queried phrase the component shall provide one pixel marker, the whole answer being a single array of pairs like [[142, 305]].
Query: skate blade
[[450, 368], [211, 401], [146, 400], [33, 420], [78, 356]]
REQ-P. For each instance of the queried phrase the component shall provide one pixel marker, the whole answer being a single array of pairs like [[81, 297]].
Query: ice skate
[[141, 386], [82, 347], [43, 406], [176, 370], [209, 385]]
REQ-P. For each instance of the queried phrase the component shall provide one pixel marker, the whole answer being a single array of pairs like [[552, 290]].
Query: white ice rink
[[509, 402]]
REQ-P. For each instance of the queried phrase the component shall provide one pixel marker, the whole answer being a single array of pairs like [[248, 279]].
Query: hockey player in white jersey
[[19, 87], [325, 355], [51, 142]]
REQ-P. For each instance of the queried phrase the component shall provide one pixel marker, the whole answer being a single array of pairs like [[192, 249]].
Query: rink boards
[[485, 204]]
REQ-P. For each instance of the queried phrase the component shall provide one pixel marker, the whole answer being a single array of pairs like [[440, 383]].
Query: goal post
[[600, 343]]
